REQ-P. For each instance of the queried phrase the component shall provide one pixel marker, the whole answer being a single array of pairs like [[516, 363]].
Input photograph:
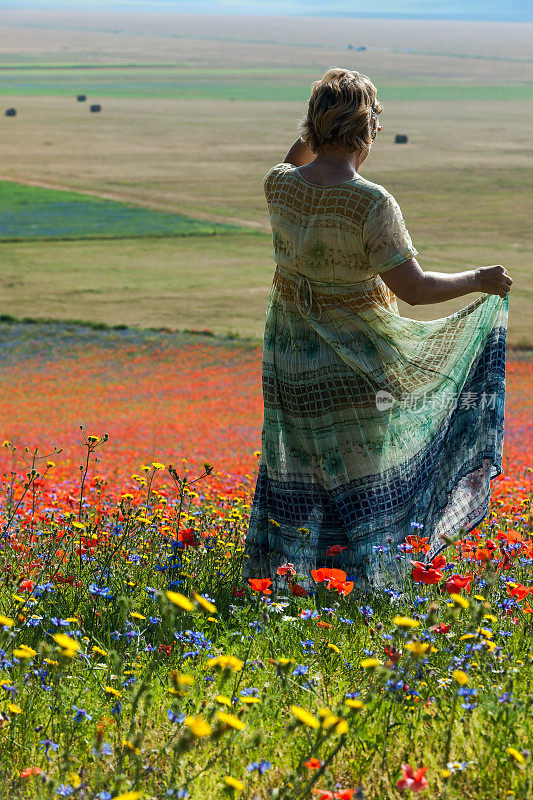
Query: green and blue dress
[[376, 426]]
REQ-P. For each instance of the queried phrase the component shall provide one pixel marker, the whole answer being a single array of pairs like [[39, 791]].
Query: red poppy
[[343, 587], [323, 794], [238, 592], [27, 772], [456, 583], [425, 573], [335, 550], [299, 591], [442, 628], [326, 574], [260, 585], [186, 536], [438, 562], [165, 649], [415, 781], [26, 584], [313, 763], [393, 654], [418, 544], [518, 591], [286, 569]]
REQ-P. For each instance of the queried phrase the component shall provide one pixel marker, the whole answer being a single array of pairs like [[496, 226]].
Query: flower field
[[136, 664]]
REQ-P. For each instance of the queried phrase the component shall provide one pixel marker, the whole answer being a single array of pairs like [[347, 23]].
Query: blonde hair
[[340, 110]]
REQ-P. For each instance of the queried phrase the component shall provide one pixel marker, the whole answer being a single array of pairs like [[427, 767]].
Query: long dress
[[376, 426]]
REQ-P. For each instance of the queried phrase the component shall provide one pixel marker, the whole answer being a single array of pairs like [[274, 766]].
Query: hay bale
[[401, 138], [11, 112], [96, 107], [81, 98]]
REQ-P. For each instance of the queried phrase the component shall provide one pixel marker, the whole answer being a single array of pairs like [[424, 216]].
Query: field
[[135, 663], [195, 111]]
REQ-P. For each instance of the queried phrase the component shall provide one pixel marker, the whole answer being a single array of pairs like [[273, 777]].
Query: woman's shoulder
[[375, 192]]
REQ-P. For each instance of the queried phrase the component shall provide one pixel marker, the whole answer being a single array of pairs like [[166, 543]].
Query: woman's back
[[342, 233]]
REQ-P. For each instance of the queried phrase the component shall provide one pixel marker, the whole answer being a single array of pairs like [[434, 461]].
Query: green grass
[[31, 212], [225, 84]]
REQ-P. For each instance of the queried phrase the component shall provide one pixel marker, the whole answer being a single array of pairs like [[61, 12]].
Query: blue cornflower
[[100, 591], [80, 713], [58, 622], [104, 796], [250, 691], [46, 745], [177, 718], [65, 791], [309, 614], [260, 766], [301, 669]]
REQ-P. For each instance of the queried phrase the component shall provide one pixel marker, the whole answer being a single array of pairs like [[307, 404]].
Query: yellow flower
[[128, 796], [136, 615], [99, 650], [66, 642], [157, 465], [459, 600], [226, 662], [205, 604], [406, 622], [334, 647], [185, 680], [130, 746], [305, 717], [73, 779], [198, 726], [515, 754], [6, 621], [24, 652], [250, 701], [370, 663], [273, 522], [113, 691], [355, 704], [445, 773], [221, 698], [419, 650], [232, 721], [79, 526], [180, 600], [14, 708], [234, 783], [460, 676], [342, 727], [93, 439]]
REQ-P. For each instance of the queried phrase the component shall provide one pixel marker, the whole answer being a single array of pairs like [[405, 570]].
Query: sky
[[496, 10]]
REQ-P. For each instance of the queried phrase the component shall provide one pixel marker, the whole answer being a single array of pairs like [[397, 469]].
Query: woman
[[376, 426]]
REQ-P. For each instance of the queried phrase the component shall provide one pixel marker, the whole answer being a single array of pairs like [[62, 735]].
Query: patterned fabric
[[372, 421]]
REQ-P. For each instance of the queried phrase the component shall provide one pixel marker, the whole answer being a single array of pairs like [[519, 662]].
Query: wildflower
[[180, 600], [286, 569], [234, 783], [459, 600], [415, 781], [231, 720], [515, 754], [28, 772], [305, 717], [80, 714], [226, 662], [370, 663], [112, 691], [419, 650], [14, 708], [298, 590], [335, 550], [425, 573], [313, 763], [460, 676], [6, 622], [406, 622], [178, 719], [259, 766], [24, 652], [70, 646], [455, 583], [128, 796], [136, 615], [205, 603], [198, 726], [260, 585]]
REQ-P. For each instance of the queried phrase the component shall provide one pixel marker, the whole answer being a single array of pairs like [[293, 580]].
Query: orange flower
[[260, 585], [27, 772]]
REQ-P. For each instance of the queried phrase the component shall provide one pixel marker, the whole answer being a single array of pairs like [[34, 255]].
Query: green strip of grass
[[31, 212]]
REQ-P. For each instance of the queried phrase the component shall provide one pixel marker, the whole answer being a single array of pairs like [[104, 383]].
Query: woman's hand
[[493, 280]]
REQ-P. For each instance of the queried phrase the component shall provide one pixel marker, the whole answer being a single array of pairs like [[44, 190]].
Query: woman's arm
[[416, 287], [299, 154]]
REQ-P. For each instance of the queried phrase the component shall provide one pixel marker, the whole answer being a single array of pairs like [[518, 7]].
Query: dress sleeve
[[386, 239], [272, 174]]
